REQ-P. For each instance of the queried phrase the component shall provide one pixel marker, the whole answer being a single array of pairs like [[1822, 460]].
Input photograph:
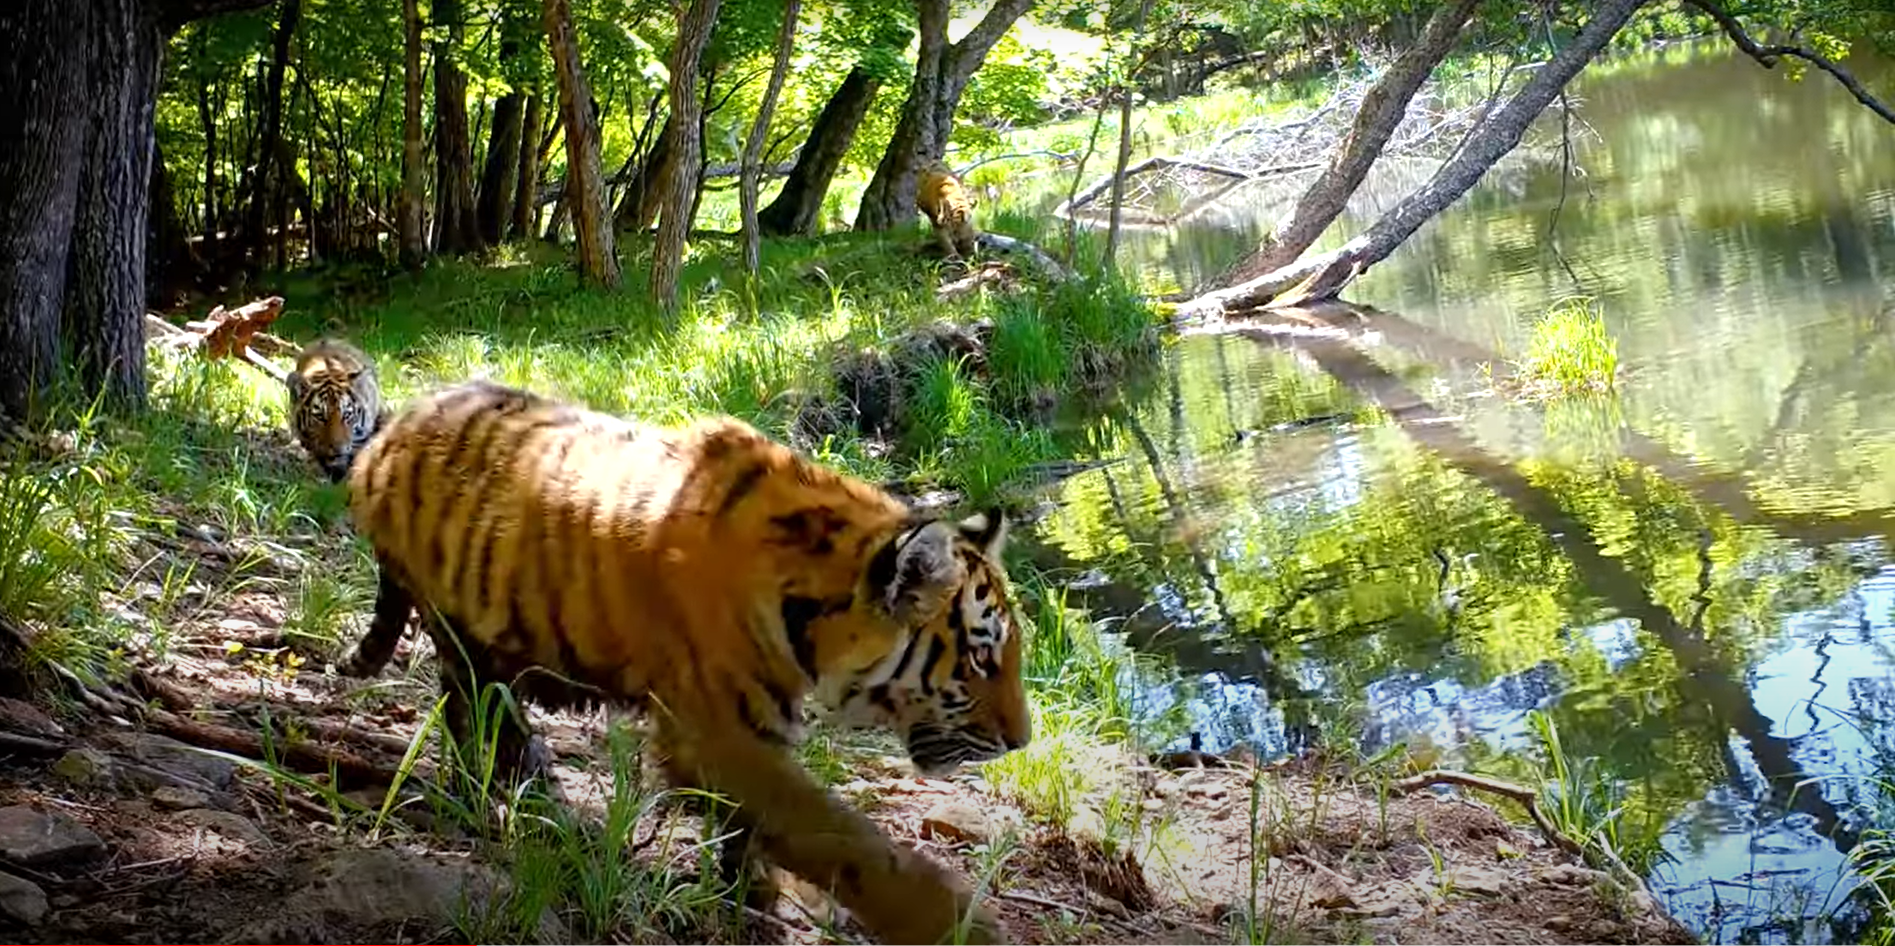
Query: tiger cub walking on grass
[[712, 577], [950, 209], [335, 403]]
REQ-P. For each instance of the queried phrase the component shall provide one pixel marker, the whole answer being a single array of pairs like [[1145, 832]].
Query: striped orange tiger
[[950, 210], [335, 403], [712, 577]]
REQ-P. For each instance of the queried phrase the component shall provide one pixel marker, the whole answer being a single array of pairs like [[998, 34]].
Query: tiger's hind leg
[[486, 718]]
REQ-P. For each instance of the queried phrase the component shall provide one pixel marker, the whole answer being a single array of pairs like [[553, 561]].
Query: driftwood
[[1044, 262], [229, 333]]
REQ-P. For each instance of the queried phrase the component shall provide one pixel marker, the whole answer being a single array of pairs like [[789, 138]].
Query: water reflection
[[1691, 580]]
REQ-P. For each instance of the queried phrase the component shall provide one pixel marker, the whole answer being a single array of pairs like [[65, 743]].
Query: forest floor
[[173, 585]]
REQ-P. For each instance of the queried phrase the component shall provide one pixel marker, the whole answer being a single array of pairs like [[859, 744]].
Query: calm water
[[1693, 581]]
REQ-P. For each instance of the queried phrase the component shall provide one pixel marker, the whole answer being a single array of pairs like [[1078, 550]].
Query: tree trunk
[[170, 266], [927, 117], [585, 182], [43, 81], [207, 118], [1132, 68], [1375, 121], [678, 185], [1324, 275], [526, 182], [759, 132], [497, 180], [638, 206], [414, 234], [263, 181], [798, 206], [455, 217]]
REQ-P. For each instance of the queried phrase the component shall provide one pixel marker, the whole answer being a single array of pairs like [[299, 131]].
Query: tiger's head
[[952, 684], [333, 408]]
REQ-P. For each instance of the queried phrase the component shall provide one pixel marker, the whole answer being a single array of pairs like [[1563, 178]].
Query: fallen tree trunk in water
[[1324, 275]]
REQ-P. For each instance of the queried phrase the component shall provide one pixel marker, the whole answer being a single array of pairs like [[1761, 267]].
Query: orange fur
[[950, 209], [714, 577], [335, 403]]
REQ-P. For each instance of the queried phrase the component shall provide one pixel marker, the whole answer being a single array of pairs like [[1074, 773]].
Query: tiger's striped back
[[335, 404]]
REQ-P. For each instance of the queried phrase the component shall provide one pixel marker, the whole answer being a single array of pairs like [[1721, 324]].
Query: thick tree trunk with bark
[[798, 206], [75, 171], [264, 182], [414, 234], [1375, 121], [1324, 275], [942, 72], [749, 173], [678, 185], [44, 81], [526, 182], [585, 181], [639, 205], [498, 176], [455, 217]]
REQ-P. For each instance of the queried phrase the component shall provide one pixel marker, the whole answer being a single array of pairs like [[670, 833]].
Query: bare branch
[[1768, 56]]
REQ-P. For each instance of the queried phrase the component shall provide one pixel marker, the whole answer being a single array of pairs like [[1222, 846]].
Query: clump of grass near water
[[1570, 352]]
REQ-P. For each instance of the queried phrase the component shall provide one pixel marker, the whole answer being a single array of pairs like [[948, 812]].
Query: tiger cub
[[335, 404], [950, 210], [712, 577]]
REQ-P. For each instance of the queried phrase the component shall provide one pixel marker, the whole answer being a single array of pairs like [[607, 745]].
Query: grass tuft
[[1570, 352]]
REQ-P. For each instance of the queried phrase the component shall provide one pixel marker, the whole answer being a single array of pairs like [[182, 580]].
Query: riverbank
[[193, 556]]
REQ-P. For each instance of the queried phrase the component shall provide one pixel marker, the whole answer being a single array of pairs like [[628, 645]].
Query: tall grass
[[1570, 351]]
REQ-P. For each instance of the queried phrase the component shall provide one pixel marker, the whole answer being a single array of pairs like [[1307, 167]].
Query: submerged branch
[[1769, 56]]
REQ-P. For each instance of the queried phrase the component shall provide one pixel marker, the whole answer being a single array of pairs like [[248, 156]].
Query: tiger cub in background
[[712, 577], [335, 404], [950, 209]]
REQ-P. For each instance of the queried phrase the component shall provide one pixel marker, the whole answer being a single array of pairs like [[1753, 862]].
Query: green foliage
[[1570, 352]]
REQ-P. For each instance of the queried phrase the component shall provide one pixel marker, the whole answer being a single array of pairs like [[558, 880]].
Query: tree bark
[[678, 185], [44, 80], [414, 234], [263, 182], [170, 266], [927, 117], [759, 132], [526, 182], [455, 217], [1324, 275], [1375, 122], [639, 205], [798, 206], [498, 188], [1132, 68], [585, 181]]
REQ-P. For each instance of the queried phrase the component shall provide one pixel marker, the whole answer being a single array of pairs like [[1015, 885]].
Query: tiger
[[335, 403], [950, 209], [711, 577]]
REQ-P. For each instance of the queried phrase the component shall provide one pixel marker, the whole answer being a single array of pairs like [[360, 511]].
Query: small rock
[[1153, 804], [1166, 787], [1559, 923], [32, 837], [25, 718], [85, 767], [374, 887], [233, 827], [176, 758], [1481, 881], [22, 900], [178, 799], [956, 821]]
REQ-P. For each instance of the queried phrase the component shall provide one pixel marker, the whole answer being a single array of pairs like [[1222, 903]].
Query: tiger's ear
[[987, 530], [912, 578]]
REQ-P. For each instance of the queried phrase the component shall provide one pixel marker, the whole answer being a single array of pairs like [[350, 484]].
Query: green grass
[[1569, 352]]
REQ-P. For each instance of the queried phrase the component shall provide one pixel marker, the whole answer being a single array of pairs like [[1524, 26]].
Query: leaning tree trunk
[[798, 206], [678, 186], [526, 182], [759, 131], [498, 176], [640, 203], [1380, 113], [455, 218], [411, 222], [927, 117], [1324, 275], [585, 181]]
